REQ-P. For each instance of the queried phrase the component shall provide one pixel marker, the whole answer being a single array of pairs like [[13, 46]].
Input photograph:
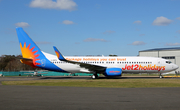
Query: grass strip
[[110, 83]]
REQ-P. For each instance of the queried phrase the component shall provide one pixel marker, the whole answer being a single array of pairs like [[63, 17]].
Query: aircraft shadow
[[56, 77], [101, 77], [128, 77]]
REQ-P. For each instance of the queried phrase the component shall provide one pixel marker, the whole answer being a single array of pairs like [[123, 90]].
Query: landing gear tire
[[94, 76], [160, 76]]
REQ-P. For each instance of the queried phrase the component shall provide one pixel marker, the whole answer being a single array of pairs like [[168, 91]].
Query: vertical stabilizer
[[28, 48], [31, 53]]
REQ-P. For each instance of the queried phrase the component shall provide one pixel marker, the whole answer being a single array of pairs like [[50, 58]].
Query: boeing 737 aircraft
[[108, 66]]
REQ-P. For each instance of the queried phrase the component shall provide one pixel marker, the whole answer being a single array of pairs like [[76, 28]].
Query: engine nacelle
[[113, 72]]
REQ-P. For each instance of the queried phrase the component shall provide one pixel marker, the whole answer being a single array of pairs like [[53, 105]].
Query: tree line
[[12, 63]]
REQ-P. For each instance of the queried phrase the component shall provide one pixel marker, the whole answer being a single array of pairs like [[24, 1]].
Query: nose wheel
[[160, 76]]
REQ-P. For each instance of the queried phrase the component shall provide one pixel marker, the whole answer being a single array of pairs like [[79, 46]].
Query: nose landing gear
[[160, 76]]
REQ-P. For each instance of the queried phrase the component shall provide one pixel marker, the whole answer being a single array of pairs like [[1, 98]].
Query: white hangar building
[[172, 54]]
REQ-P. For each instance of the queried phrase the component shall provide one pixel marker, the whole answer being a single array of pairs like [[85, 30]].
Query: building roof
[[161, 49]]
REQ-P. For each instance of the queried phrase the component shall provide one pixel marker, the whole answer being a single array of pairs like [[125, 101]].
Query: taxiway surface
[[87, 98]]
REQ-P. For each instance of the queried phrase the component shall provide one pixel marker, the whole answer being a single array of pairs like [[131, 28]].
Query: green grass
[[110, 83]]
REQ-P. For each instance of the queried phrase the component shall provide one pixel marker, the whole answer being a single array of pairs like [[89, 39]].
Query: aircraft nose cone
[[175, 66]]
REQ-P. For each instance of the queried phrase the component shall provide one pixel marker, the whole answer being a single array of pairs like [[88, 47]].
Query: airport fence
[[51, 73], [44, 73]]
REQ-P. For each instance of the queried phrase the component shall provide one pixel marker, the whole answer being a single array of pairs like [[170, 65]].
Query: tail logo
[[29, 53]]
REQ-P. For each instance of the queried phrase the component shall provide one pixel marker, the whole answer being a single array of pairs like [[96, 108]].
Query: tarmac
[[86, 98]]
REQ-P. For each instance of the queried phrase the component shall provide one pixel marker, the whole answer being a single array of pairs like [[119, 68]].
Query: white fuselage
[[127, 64]]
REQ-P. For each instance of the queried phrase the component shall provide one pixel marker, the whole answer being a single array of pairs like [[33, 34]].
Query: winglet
[[59, 55]]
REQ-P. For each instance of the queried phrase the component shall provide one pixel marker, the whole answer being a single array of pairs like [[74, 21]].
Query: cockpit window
[[169, 62]]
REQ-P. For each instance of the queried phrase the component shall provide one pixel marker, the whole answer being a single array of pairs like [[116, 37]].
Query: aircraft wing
[[90, 67]]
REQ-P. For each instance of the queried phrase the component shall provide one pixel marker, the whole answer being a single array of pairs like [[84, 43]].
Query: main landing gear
[[94, 76]]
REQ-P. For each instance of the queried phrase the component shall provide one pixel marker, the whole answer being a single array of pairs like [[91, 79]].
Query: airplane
[[108, 66]]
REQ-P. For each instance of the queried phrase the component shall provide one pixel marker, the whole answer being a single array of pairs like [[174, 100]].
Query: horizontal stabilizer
[[25, 59]]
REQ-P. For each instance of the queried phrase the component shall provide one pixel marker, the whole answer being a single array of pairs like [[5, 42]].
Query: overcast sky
[[91, 27]]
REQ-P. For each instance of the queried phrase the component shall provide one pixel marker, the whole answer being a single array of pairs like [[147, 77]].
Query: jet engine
[[113, 72]]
